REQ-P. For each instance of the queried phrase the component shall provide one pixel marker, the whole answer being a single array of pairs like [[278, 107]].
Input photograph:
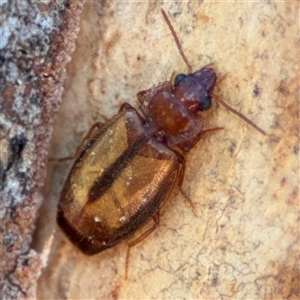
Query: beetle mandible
[[127, 168]]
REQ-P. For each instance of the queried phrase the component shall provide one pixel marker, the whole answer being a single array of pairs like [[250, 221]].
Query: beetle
[[127, 168]]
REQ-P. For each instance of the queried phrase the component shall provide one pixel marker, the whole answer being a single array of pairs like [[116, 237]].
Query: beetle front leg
[[125, 106], [201, 135]]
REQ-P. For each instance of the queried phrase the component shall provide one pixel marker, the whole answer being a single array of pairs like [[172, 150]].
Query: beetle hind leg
[[155, 218]]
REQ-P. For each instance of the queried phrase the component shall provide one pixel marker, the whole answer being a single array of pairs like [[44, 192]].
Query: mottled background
[[242, 241]]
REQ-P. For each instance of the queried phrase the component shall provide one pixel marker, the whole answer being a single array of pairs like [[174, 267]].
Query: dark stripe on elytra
[[104, 182]]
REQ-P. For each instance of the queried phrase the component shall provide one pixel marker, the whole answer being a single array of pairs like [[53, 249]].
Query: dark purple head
[[195, 89]]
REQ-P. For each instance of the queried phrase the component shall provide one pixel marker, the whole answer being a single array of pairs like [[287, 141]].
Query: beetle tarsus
[[155, 218]]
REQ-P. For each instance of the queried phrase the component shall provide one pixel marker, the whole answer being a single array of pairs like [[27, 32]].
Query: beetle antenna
[[221, 78], [179, 47], [241, 116]]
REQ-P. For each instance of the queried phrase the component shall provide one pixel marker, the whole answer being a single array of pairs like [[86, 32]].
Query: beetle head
[[195, 89]]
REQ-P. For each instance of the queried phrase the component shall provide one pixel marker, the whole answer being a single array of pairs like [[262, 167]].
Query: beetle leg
[[182, 168], [186, 197], [86, 138], [155, 218], [209, 65], [221, 78], [204, 131], [182, 162], [181, 177], [125, 106], [180, 180]]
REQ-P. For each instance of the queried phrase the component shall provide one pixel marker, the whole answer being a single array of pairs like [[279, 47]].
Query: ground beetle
[[127, 168]]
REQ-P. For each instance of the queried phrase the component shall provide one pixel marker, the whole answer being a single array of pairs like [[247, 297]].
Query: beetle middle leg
[[182, 164], [180, 179], [155, 218]]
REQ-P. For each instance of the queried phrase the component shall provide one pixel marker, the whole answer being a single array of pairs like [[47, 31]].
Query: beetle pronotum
[[127, 168]]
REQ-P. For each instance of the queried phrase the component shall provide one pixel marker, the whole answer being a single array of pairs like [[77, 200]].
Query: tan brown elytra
[[127, 168]]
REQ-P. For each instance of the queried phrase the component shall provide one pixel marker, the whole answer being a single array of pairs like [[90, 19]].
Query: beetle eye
[[205, 103], [179, 78]]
